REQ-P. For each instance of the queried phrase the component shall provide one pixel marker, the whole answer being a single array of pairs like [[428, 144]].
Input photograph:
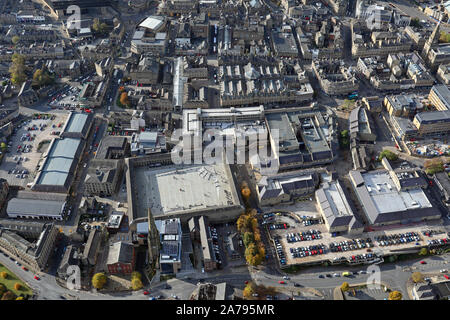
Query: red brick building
[[121, 258]]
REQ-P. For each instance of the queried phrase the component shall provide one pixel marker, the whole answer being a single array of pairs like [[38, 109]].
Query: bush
[[99, 280], [19, 298], [4, 275], [423, 252], [17, 286]]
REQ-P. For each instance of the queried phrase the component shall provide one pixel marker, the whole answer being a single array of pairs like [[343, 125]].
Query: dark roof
[[120, 252]]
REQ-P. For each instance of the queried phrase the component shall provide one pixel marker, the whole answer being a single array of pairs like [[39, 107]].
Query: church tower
[[154, 243], [431, 40]]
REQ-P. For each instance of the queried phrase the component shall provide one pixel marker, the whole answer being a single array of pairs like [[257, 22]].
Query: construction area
[[428, 148]]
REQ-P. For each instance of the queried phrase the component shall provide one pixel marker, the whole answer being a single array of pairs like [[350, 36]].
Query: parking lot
[[20, 163], [296, 243]]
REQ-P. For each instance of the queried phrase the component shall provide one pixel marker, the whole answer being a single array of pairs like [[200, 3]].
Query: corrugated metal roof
[[35, 207]]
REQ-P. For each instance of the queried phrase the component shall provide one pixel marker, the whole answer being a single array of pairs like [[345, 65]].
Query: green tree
[[248, 238], [345, 139], [99, 280], [42, 77], [3, 146], [388, 154], [4, 275], [423, 252], [17, 69]]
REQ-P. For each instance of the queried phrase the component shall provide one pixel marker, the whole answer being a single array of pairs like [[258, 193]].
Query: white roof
[[152, 22]]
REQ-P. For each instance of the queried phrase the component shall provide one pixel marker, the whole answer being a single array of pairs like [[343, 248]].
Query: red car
[[446, 277], [246, 282], [146, 292], [25, 269], [36, 278], [423, 262], [281, 282]]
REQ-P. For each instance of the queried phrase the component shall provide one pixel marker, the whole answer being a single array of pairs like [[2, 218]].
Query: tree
[[345, 140], [124, 99], [4, 275], [395, 295], [3, 146], [8, 295], [248, 238], [391, 156], [99, 27], [415, 22], [99, 280], [345, 286], [19, 298], [136, 284], [42, 77], [423, 252], [17, 286], [248, 291], [17, 69], [15, 40], [417, 277]]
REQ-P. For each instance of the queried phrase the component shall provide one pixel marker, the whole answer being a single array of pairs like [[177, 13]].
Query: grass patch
[[11, 280]]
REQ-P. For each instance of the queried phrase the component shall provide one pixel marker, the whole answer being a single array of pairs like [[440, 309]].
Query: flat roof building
[[384, 203], [440, 97], [336, 210], [171, 246]]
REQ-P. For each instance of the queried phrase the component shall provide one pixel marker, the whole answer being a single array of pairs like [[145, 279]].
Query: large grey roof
[[35, 207], [120, 252]]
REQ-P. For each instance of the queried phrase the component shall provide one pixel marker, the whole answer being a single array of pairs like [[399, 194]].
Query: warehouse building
[[36, 205], [77, 125], [59, 166], [385, 203]]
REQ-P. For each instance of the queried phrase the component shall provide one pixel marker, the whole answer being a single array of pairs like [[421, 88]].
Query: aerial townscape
[[224, 150]]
